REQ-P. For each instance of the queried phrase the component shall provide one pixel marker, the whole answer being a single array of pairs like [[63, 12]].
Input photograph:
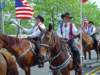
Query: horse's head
[[48, 43]]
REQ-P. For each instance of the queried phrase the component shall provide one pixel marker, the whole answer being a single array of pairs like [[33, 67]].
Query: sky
[[97, 2]]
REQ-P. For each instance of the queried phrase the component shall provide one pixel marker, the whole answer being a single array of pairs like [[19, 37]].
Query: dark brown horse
[[57, 53], [88, 45], [22, 49], [7, 64]]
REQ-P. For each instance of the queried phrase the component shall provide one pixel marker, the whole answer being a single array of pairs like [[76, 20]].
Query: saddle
[[35, 41], [32, 40], [65, 46]]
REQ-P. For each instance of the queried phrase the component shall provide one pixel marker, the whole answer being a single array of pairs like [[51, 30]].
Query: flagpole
[[19, 28], [2, 17], [81, 16], [19, 32], [2, 21]]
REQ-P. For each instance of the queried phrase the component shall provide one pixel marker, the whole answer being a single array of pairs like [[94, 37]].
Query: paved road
[[40, 71], [90, 66]]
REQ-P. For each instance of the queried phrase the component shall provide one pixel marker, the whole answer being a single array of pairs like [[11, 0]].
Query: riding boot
[[38, 56]]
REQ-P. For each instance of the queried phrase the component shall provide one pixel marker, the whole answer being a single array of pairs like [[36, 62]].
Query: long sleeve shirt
[[91, 30], [66, 30], [35, 30]]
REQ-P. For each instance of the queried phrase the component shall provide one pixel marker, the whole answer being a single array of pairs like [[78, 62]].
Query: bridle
[[51, 59], [60, 67], [50, 47]]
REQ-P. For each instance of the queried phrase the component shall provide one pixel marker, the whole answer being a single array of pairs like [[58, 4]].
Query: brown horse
[[22, 49], [3, 65], [58, 54], [7, 64], [88, 45]]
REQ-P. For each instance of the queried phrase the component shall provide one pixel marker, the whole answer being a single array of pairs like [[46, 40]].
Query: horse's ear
[[50, 27]]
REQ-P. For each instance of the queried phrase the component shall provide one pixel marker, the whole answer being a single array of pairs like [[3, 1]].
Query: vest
[[71, 35]]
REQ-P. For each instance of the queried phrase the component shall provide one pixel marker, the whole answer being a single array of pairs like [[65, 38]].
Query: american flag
[[23, 9]]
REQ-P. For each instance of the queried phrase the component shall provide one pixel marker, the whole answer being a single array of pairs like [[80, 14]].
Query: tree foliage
[[50, 9]]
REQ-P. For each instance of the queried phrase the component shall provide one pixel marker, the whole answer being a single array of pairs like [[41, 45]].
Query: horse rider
[[85, 24], [35, 32], [37, 29], [61, 22], [91, 31], [67, 30]]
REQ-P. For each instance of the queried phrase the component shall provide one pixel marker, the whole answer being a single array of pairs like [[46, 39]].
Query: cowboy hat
[[40, 17], [68, 15]]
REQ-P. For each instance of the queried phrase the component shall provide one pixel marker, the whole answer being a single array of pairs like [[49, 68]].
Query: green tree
[[50, 9]]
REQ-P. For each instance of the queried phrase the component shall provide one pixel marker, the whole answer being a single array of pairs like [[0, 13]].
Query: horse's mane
[[56, 38], [9, 40]]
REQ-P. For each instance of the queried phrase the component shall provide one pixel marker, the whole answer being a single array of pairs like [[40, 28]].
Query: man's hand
[[16, 23]]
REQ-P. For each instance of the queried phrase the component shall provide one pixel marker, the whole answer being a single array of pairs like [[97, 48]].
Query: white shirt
[[66, 30], [35, 31], [91, 30]]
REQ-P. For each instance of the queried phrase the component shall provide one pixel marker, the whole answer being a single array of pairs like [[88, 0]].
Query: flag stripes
[[23, 10]]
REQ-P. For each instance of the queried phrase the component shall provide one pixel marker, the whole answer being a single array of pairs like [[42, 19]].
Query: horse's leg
[[85, 55], [78, 67], [89, 55], [78, 70], [65, 71], [54, 72], [27, 70], [97, 52]]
